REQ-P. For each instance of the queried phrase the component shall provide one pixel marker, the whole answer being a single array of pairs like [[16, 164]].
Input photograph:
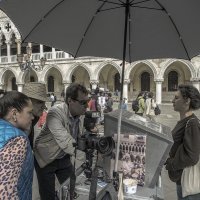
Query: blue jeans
[[190, 197]]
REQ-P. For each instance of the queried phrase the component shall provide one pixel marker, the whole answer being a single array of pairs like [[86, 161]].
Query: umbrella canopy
[[155, 28]]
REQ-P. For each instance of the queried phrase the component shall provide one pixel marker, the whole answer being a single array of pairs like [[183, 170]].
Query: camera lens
[[105, 145]]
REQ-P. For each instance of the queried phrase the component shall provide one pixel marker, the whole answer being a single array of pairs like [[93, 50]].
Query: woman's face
[[24, 117], [179, 103]]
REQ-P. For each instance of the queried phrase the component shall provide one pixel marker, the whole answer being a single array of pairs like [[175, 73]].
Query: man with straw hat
[[38, 94]]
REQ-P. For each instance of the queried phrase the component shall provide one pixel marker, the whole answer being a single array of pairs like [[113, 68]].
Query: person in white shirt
[[101, 102], [150, 105]]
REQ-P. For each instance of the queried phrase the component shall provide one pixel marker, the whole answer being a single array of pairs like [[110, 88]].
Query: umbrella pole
[[122, 84]]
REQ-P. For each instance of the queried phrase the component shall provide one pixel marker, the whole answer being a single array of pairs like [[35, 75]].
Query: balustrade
[[36, 57]]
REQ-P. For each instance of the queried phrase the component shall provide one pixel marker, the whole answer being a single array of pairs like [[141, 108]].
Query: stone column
[[105, 85], [159, 90], [8, 43], [41, 51], [94, 84], [196, 82], [18, 41], [125, 88], [53, 53], [66, 85], [20, 87], [29, 44]]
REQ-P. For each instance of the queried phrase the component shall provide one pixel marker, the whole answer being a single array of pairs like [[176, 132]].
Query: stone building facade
[[161, 76]]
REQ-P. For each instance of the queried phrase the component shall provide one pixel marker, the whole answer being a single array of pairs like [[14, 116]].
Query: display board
[[144, 146]]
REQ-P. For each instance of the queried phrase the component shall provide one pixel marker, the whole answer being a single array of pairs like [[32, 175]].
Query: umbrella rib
[[149, 8], [111, 2], [47, 13], [79, 46], [110, 8], [139, 2], [130, 41], [176, 28]]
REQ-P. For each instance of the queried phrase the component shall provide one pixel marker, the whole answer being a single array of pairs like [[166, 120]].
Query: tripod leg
[[93, 187], [72, 186]]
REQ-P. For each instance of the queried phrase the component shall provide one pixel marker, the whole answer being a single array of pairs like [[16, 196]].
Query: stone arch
[[17, 34], [185, 62], [102, 65], [133, 65], [3, 73], [105, 73], [54, 73], [42, 76], [22, 76], [72, 69], [10, 34]]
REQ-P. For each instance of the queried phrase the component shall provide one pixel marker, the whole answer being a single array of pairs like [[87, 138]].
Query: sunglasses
[[82, 102]]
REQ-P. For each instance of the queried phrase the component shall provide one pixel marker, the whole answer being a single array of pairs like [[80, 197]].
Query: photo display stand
[[144, 148]]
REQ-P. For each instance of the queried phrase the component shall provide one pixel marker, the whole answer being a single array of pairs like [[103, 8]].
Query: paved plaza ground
[[169, 118]]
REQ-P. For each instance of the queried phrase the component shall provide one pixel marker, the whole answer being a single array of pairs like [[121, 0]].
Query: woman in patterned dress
[[16, 159]]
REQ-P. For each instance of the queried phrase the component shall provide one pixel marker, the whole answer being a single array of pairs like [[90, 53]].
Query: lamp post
[[26, 63]]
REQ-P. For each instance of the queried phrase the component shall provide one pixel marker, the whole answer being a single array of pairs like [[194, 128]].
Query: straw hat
[[35, 90]]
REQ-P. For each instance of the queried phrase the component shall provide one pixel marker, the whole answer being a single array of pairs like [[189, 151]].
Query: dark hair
[[140, 94], [109, 94], [189, 91], [150, 94], [73, 89], [12, 99]]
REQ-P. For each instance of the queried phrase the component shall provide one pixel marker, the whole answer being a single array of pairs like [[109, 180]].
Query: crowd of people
[[100, 101], [51, 151]]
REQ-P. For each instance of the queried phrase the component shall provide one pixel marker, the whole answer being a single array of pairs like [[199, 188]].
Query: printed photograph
[[131, 156]]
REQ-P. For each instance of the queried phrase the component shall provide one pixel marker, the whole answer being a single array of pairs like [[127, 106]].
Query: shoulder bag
[[190, 180]]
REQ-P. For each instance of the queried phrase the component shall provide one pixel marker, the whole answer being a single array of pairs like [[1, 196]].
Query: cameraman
[[54, 146]]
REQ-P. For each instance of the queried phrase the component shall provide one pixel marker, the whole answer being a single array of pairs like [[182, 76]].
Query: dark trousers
[[61, 168]]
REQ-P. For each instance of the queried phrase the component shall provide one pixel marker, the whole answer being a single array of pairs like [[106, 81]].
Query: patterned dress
[[16, 163]]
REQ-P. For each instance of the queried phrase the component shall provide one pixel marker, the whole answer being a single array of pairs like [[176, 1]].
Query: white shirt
[[150, 105]]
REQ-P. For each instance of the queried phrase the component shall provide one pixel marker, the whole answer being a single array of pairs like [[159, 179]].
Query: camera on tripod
[[92, 141], [89, 141]]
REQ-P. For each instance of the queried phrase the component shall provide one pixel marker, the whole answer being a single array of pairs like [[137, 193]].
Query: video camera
[[90, 140]]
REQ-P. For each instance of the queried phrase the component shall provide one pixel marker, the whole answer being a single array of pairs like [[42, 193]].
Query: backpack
[[135, 105], [157, 110]]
